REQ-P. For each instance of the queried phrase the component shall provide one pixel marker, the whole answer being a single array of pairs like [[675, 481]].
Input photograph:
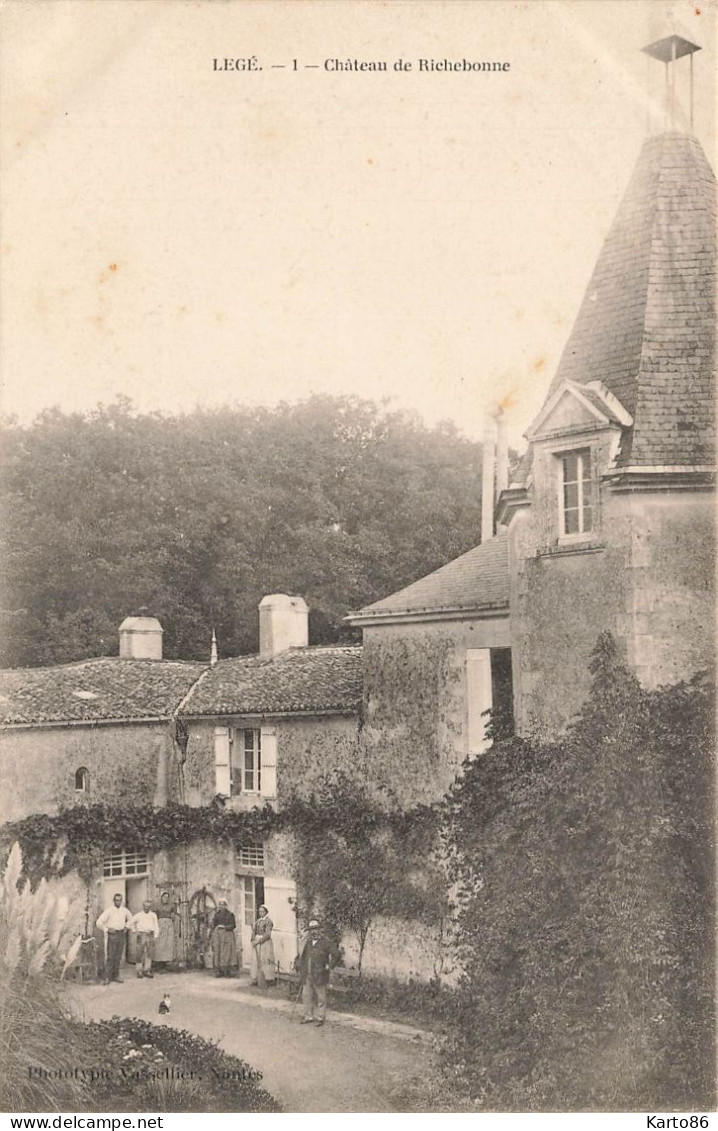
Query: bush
[[146, 1067], [415, 1002], [33, 1020], [584, 873]]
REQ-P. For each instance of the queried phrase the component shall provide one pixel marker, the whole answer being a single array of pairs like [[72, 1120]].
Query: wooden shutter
[[221, 761], [269, 763], [478, 696]]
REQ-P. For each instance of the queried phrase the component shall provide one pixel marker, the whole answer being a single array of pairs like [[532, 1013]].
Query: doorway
[[251, 896], [126, 873]]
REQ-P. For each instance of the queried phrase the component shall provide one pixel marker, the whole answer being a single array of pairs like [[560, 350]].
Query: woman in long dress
[[224, 944], [262, 965], [165, 944]]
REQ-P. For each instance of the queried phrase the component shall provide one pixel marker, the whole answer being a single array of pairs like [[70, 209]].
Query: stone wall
[[398, 949], [646, 576], [127, 764], [672, 601], [415, 729]]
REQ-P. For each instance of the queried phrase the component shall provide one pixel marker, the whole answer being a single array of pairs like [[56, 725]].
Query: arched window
[[82, 780]]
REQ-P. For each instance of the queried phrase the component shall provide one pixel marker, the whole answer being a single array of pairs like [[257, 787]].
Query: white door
[[280, 894]]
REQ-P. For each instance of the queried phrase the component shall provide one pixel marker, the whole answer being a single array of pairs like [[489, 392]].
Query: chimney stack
[[502, 456], [283, 623], [488, 473], [140, 639]]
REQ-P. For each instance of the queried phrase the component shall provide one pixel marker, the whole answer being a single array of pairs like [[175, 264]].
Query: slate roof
[[307, 680], [646, 327], [477, 580], [95, 690]]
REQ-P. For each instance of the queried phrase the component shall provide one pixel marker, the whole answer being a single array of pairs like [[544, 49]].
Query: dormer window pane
[[577, 492]]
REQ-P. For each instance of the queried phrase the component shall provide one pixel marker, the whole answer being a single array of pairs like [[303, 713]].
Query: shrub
[[584, 873], [146, 1067], [33, 1020]]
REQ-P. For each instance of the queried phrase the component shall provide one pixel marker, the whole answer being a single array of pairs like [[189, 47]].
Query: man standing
[[114, 922], [146, 923], [316, 961]]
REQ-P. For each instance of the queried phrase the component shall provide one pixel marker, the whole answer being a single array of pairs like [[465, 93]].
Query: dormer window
[[576, 507], [82, 780]]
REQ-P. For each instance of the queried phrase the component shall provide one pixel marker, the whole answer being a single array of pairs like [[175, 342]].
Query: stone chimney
[[140, 639], [283, 623], [488, 480], [502, 456]]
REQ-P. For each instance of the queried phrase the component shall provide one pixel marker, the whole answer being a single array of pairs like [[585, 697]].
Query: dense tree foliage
[[585, 880], [194, 518]]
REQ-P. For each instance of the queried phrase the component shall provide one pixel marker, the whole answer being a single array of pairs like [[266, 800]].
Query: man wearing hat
[[315, 965]]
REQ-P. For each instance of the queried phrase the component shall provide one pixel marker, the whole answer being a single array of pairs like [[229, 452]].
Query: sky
[[183, 234]]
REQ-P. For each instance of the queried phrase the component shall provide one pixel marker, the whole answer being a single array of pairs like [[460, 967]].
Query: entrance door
[[133, 890], [251, 895]]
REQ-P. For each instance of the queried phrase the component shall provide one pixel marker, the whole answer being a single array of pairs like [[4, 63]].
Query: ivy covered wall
[[307, 750], [414, 736]]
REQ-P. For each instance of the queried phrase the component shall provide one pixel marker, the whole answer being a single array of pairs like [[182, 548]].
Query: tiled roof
[[314, 679], [95, 690], [646, 327], [478, 580]]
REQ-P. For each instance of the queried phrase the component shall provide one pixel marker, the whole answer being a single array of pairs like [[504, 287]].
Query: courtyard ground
[[352, 1064]]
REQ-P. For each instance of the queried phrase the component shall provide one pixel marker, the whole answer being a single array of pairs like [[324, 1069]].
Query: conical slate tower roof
[[646, 327]]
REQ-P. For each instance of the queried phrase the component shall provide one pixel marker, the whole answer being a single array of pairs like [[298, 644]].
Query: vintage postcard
[[357, 617]]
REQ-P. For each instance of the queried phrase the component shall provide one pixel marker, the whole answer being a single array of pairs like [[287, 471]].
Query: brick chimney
[[140, 639], [283, 623]]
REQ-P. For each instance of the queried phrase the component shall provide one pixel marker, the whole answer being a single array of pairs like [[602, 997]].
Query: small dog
[[165, 1004]]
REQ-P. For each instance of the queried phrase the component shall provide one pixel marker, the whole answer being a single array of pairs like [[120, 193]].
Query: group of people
[[115, 921], [150, 926], [225, 957], [314, 965]]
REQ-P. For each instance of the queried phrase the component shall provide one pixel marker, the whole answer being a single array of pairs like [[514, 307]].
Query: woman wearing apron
[[262, 965]]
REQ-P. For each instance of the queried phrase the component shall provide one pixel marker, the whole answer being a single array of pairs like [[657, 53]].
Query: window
[[82, 780], [576, 502], [251, 855], [126, 863], [253, 897], [246, 762]]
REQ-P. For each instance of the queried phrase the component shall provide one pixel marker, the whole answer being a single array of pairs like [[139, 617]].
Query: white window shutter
[[269, 763], [478, 696], [221, 761]]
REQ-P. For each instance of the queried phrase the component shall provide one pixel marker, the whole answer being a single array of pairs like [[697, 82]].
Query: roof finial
[[213, 650], [668, 50]]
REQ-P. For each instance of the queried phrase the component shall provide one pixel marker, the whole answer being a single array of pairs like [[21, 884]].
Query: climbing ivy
[[354, 861], [351, 857], [75, 837], [584, 871]]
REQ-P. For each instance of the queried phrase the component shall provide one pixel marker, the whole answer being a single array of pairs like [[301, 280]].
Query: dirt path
[[337, 1068]]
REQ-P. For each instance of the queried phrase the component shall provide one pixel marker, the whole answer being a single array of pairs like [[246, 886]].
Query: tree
[[355, 861], [194, 518]]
